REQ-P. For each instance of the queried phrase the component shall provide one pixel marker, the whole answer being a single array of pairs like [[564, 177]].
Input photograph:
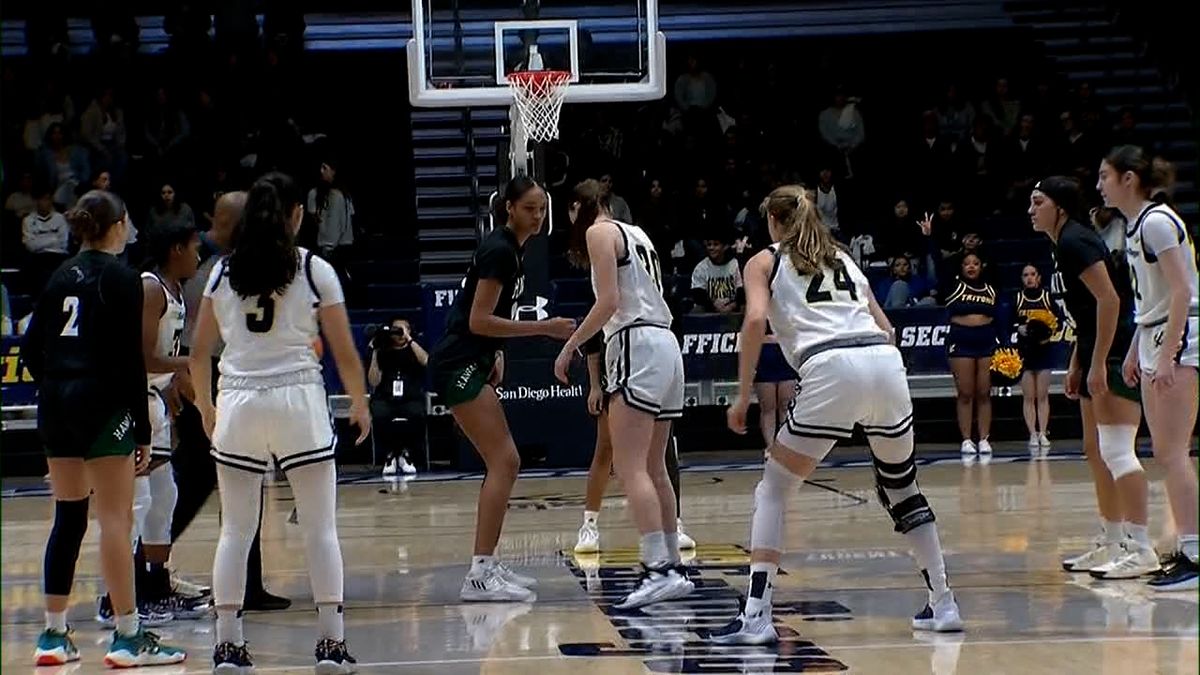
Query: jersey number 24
[[841, 282]]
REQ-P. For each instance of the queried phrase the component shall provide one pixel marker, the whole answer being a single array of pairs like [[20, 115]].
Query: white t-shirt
[[45, 234], [273, 335], [1158, 229], [720, 282]]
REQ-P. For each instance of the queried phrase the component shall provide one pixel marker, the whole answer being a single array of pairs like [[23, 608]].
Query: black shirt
[[972, 298], [87, 329], [402, 377], [498, 257], [1078, 248]]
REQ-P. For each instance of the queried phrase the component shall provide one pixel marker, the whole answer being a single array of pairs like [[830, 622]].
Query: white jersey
[[170, 330], [273, 335], [1158, 229], [639, 284], [819, 310]]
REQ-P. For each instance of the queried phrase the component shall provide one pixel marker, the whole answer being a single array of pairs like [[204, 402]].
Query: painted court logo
[[668, 637]]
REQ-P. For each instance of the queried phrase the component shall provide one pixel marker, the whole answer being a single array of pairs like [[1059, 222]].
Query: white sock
[[56, 621], [1114, 531], [329, 622], [1189, 544], [128, 624], [672, 539], [1140, 534], [654, 549], [591, 517], [229, 625], [481, 563], [927, 549], [762, 586]]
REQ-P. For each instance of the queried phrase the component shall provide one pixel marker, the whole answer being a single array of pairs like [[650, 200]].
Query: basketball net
[[538, 97]]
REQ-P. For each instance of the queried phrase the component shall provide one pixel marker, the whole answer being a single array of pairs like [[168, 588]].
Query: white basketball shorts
[[1150, 345], [644, 365], [841, 388], [160, 425], [290, 423]]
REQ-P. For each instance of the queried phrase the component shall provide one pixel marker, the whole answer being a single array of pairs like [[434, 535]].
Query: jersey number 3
[[262, 317], [841, 282]]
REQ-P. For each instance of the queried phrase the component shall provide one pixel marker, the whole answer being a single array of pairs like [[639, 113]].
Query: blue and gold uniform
[[971, 342], [1035, 351]]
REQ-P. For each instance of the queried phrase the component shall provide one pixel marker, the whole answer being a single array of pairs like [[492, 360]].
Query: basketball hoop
[[538, 95]]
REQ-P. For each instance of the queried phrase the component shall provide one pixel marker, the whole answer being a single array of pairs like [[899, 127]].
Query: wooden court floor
[[843, 602]]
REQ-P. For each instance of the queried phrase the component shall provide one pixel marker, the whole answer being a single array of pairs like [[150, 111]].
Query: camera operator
[[397, 378]]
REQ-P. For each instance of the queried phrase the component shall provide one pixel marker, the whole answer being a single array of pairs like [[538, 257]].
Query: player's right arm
[[757, 281], [335, 327]]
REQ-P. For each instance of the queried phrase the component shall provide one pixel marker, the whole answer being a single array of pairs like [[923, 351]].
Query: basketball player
[[269, 299], [84, 348], [1099, 298], [642, 363], [174, 251], [840, 343], [467, 365], [1034, 342], [1163, 355]]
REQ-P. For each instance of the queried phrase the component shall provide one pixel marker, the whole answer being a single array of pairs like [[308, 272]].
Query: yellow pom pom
[[1007, 362], [1046, 317]]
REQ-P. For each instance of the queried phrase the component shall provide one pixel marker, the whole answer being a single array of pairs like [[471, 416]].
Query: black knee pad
[[911, 513], [894, 476], [62, 549]]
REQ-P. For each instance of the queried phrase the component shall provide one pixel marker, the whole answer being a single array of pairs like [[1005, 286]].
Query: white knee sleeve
[[1118, 448], [141, 506], [770, 504], [315, 489], [241, 501], [156, 530]]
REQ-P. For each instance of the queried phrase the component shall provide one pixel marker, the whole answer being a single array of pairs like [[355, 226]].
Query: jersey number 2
[[71, 309], [841, 282], [262, 317], [649, 260]]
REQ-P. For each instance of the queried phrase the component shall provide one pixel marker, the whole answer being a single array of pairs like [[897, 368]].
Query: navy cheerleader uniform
[[971, 342]]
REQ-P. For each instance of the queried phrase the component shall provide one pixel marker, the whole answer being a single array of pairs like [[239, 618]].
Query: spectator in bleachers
[[956, 116], [827, 203], [61, 165], [841, 128], [656, 215], [946, 228], [1043, 104], [702, 212], [21, 202], [334, 213], [46, 235], [969, 346], [1077, 150], [397, 379], [695, 89], [1090, 114], [1001, 109], [1127, 131], [979, 163], [51, 107], [932, 160], [166, 127], [102, 129], [1025, 160], [102, 180], [170, 209], [1110, 224], [903, 287], [717, 280], [617, 204], [603, 143]]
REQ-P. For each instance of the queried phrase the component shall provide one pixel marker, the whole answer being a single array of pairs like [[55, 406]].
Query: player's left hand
[[1164, 372], [1097, 379], [562, 363], [360, 416], [736, 415]]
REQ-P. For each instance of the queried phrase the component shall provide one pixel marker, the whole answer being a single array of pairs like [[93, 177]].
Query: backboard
[[463, 50]]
